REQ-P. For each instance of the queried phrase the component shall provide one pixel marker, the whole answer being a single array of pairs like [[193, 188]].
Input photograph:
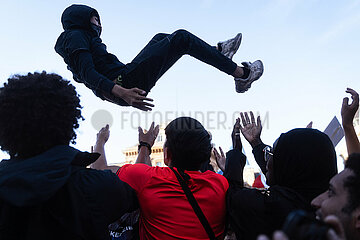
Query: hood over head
[[25, 182], [78, 17], [304, 160]]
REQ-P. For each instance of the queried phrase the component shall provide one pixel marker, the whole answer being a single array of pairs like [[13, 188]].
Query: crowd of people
[[50, 190]]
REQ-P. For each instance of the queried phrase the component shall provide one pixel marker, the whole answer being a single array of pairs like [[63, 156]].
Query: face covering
[[96, 28]]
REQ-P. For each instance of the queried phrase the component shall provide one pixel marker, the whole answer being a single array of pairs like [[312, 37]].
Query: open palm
[[251, 130]]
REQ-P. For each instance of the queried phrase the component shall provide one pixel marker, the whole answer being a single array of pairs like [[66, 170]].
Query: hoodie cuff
[[107, 85]]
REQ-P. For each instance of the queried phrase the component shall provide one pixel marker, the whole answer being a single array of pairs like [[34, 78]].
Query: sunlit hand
[[348, 110], [150, 136], [251, 130], [103, 135], [220, 159], [135, 97]]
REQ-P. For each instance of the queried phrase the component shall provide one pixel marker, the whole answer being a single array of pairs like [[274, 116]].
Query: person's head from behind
[[303, 160], [187, 144], [38, 111], [342, 198]]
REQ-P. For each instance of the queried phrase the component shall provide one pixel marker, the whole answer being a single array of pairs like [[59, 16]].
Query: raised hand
[[235, 135], [347, 114], [251, 130], [103, 135], [150, 136], [220, 159], [101, 138], [348, 110]]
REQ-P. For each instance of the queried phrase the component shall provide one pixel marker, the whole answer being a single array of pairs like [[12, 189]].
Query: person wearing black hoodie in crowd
[[86, 56], [298, 168], [46, 191]]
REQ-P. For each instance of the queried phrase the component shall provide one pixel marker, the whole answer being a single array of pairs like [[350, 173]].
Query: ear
[[167, 157]]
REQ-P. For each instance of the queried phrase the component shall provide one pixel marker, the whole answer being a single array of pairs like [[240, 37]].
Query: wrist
[[144, 145], [348, 127], [117, 90], [236, 146], [255, 142], [100, 142]]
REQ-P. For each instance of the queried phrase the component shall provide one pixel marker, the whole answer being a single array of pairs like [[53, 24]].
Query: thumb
[[345, 102]]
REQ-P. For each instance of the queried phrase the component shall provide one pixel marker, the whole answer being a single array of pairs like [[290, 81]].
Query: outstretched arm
[[146, 140], [348, 112], [251, 130], [235, 159], [236, 141], [101, 138]]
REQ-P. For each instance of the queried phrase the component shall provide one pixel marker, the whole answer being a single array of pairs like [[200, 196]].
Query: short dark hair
[[38, 111], [188, 142], [352, 183]]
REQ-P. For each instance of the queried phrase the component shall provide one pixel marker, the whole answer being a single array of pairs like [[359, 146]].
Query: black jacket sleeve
[[91, 78], [77, 46], [259, 156], [235, 162]]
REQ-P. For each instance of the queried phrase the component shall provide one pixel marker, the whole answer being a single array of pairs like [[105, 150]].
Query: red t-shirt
[[165, 211]]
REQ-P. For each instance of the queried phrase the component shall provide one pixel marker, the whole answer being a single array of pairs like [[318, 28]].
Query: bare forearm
[[352, 141], [144, 156], [101, 162]]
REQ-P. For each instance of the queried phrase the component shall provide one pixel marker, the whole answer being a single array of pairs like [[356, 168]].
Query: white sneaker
[[229, 47], [256, 70]]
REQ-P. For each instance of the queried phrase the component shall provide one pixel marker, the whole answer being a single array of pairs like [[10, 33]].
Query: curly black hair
[[38, 111]]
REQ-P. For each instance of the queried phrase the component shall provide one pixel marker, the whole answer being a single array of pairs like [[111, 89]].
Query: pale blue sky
[[310, 51]]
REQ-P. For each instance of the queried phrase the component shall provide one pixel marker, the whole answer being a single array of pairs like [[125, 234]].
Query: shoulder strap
[[195, 206]]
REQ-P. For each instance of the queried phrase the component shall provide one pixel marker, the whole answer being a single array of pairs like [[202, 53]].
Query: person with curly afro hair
[[46, 189], [38, 111]]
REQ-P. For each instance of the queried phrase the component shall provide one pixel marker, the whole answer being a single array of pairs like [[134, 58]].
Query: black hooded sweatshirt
[[54, 196], [84, 53], [304, 161]]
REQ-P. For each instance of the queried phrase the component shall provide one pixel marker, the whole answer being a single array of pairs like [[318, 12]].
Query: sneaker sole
[[248, 84]]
